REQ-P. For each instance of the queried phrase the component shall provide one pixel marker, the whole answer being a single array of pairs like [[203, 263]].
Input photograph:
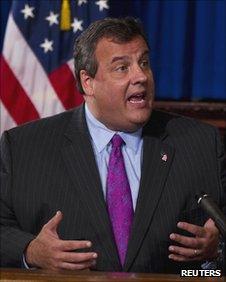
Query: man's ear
[[87, 82]]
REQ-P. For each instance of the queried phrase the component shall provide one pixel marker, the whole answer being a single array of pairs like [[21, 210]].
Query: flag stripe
[[27, 69], [14, 97], [63, 82], [70, 64], [6, 119], [37, 59]]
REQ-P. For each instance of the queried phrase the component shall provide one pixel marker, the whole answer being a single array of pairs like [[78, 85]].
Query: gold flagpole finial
[[65, 15]]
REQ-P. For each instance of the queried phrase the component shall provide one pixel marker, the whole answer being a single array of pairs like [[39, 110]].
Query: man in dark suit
[[58, 208]]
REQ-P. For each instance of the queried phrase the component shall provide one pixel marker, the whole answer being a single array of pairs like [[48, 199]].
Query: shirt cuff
[[218, 262], [25, 265]]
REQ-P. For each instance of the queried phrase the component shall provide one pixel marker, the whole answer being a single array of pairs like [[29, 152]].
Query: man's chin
[[140, 118], [134, 125], [130, 123]]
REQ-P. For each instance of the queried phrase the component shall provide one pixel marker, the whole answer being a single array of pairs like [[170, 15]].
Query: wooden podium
[[19, 275], [212, 113]]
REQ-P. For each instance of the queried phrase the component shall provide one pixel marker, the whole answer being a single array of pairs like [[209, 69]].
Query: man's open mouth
[[137, 98]]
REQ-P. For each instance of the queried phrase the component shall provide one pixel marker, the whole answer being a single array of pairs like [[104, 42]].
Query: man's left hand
[[203, 246]]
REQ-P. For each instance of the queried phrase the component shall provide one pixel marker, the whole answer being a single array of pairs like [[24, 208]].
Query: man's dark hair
[[120, 30]]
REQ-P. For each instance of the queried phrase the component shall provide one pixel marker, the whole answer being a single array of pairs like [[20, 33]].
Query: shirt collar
[[101, 135]]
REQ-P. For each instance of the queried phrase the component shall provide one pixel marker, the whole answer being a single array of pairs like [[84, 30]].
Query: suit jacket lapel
[[80, 160], [157, 159]]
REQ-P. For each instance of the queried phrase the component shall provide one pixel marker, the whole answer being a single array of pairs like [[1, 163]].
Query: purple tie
[[119, 199]]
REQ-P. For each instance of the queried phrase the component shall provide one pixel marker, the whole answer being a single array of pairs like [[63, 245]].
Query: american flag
[[37, 77]]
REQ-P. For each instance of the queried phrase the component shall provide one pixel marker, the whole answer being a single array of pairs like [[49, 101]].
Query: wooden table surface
[[9, 274]]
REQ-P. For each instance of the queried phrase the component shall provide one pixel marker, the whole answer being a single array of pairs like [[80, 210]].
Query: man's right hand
[[48, 251]]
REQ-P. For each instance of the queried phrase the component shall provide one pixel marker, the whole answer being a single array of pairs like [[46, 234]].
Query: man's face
[[122, 90]]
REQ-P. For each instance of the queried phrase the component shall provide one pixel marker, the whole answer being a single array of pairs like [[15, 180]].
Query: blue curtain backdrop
[[187, 40]]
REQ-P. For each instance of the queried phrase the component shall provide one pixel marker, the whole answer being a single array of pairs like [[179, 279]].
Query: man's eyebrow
[[119, 58], [145, 53]]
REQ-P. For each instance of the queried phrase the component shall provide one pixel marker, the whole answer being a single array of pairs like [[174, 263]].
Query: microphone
[[211, 208]]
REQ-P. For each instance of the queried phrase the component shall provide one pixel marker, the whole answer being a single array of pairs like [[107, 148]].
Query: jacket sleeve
[[13, 240], [221, 157], [222, 171]]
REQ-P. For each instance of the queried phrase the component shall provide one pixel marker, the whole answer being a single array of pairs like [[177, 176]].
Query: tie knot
[[116, 141]]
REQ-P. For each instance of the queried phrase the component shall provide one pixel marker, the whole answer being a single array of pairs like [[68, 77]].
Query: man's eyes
[[124, 67], [121, 68], [144, 63]]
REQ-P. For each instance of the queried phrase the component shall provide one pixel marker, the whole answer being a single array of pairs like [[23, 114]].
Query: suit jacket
[[49, 165]]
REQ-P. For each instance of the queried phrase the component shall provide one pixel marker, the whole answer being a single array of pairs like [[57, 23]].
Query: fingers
[[184, 254], [180, 258], [53, 223], [77, 257], [71, 245], [211, 226], [196, 230], [186, 241], [202, 246], [73, 261], [189, 251], [51, 253], [191, 242], [78, 266], [48, 251]]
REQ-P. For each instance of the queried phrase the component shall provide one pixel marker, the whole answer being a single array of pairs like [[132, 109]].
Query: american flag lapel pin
[[164, 157]]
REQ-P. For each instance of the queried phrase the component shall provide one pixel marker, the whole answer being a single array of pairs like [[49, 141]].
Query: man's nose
[[138, 75]]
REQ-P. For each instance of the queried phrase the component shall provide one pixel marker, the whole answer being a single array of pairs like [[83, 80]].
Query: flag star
[[47, 45], [103, 4], [28, 11], [52, 18], [80, 2], [77, 25]]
